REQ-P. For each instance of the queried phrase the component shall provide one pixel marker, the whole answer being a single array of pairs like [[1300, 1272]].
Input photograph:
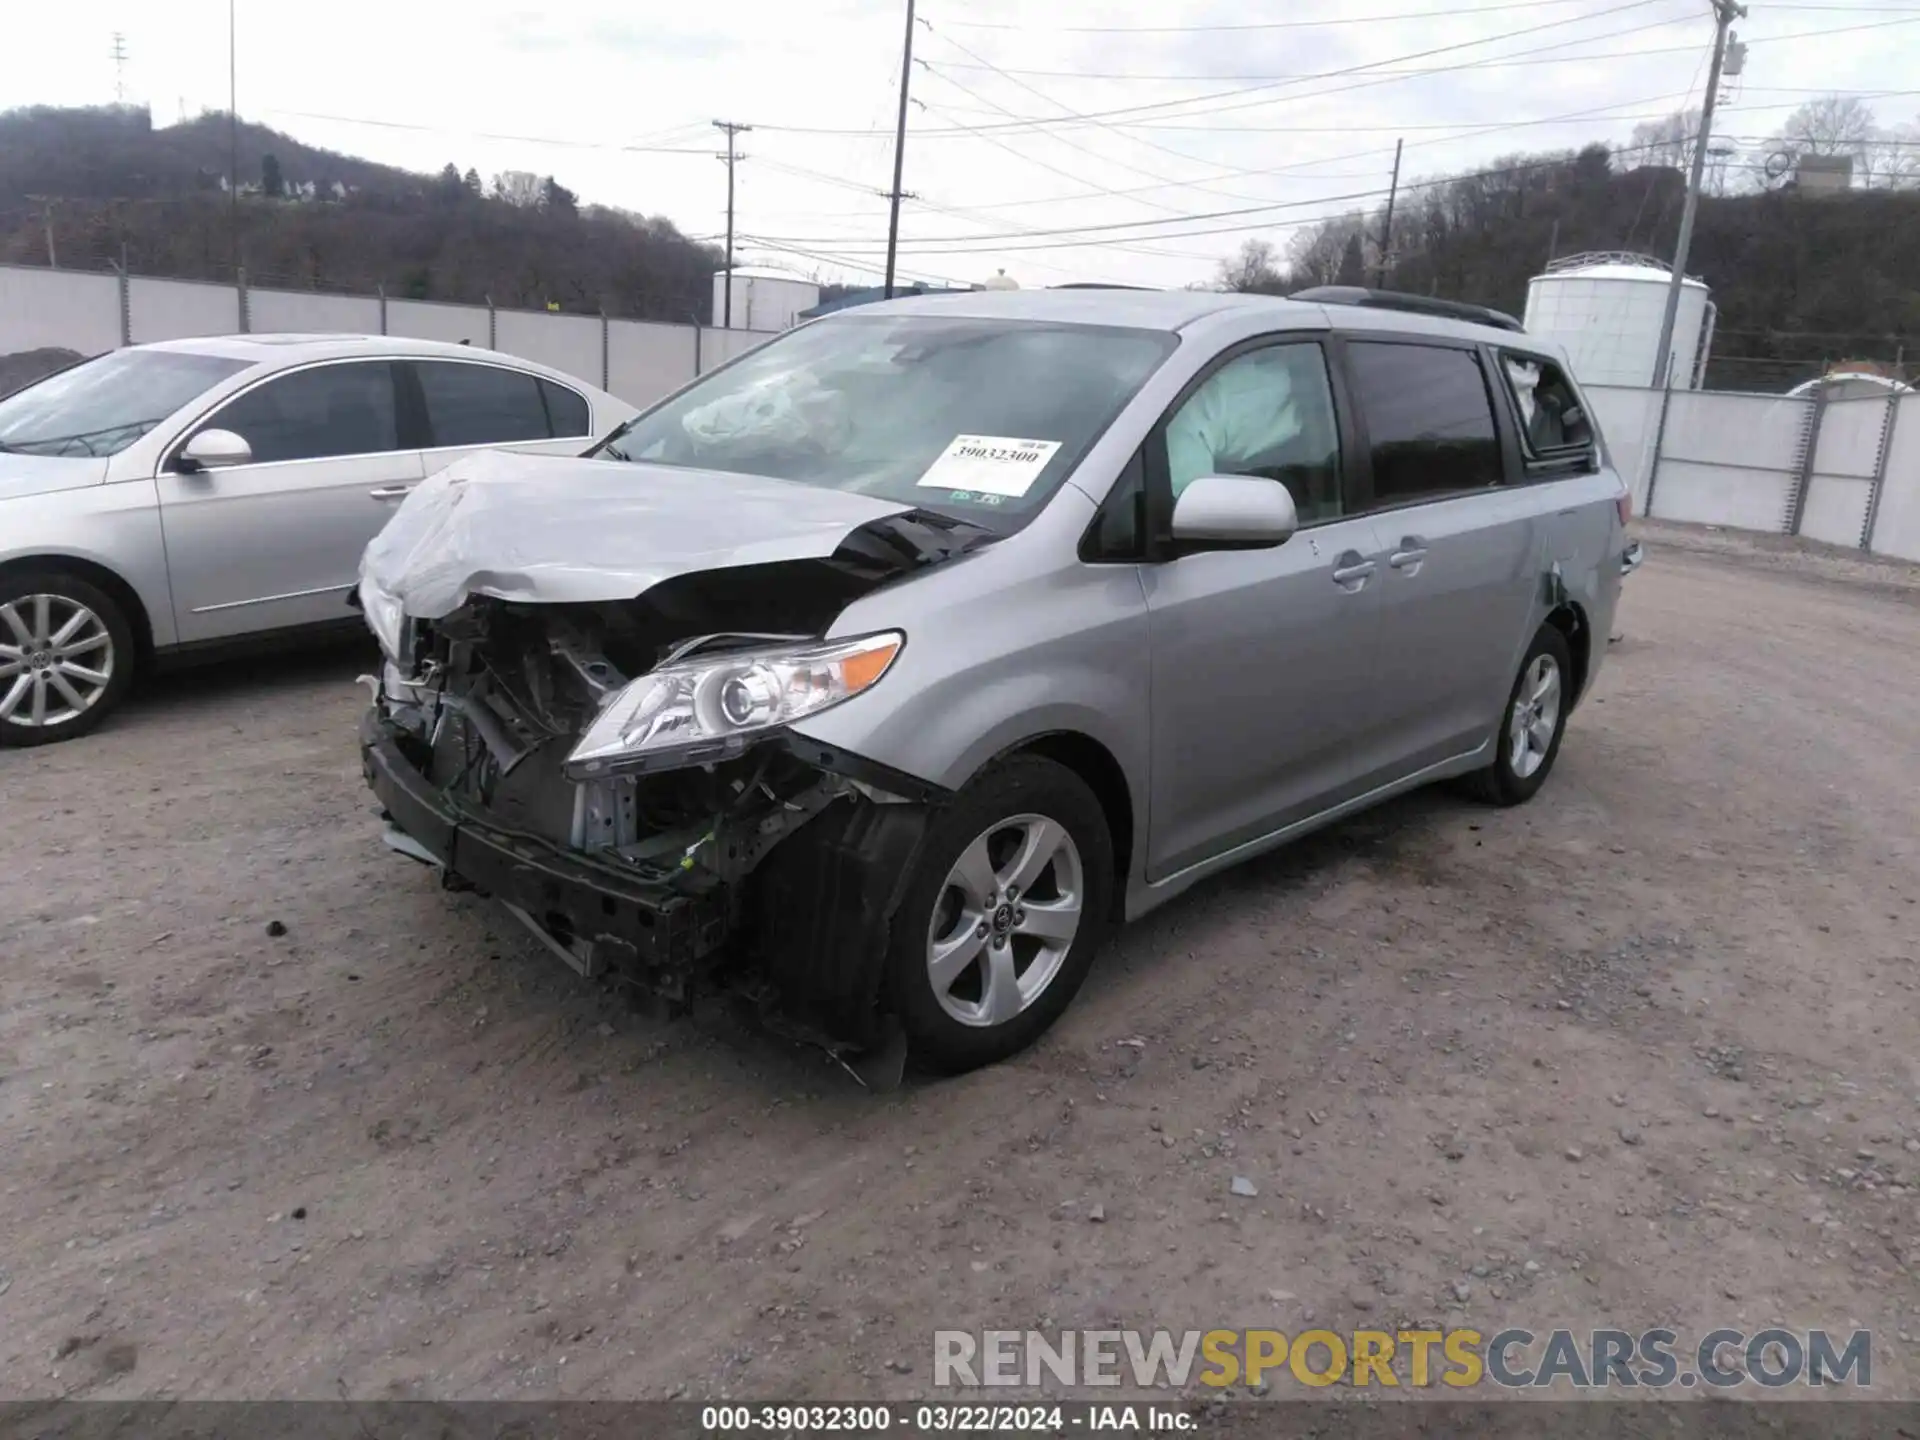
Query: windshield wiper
[[82, 438]]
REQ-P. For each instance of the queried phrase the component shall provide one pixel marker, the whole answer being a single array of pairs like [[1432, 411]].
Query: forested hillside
[[1802, 281], [103, 179]]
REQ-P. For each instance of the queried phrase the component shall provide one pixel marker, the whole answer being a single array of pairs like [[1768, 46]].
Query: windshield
[[981, 419], [101, 406]]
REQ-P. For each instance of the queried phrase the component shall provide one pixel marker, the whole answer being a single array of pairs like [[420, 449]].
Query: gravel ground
[[1644, 1051]]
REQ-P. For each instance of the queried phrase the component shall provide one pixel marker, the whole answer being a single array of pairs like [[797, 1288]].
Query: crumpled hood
[[38, 474], [567, 530]]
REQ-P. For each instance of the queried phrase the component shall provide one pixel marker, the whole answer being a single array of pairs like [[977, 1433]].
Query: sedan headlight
[[386, 617], [714, 707]]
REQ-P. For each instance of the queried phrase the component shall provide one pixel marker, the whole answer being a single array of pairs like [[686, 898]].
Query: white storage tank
[[763, 299], [1606, 310]]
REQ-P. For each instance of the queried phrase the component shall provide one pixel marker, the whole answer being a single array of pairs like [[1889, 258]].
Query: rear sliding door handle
[[390, 492], [1408, 556]]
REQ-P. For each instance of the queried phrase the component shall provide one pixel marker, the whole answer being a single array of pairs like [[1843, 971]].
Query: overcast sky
[[1210, 120]]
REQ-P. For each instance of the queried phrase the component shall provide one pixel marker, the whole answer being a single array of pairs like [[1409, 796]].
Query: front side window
[[1268, 413], [482, 404], [1429, 420], [978, 418], [101, 406], [314, 414]]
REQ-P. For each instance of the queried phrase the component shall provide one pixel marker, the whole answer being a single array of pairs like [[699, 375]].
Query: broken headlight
[[715, 706]]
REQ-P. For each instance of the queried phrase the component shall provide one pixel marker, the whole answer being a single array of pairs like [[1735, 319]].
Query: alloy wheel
[[1534, 717], [1004, 920], [56, 660]]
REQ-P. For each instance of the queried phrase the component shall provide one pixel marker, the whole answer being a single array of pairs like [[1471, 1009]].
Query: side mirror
[[1233, 512], [214, 450]]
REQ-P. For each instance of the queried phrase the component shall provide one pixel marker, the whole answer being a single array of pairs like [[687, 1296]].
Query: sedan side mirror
[[214, 450], [1233, 512]]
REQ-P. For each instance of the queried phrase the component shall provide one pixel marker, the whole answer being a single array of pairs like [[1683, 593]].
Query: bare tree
[[1252, 269], [1831, 125], [1315, 254], [519, 187], [1667, 141]]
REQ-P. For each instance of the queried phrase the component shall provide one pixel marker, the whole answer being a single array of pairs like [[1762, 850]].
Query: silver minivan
[[170, 502], [878, 673]]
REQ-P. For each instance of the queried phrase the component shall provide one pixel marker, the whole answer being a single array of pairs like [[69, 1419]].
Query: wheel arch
[[1570, 619], [1094, 763], [107, 579]]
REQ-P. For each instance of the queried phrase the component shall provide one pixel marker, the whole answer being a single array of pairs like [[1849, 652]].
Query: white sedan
[[167, 502]]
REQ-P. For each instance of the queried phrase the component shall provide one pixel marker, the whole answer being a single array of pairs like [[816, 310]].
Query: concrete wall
[[178, 309], [429, 320], [1896, 522], [566, 342], [40, 309], [302, 312], [638, 360], [646, 362]]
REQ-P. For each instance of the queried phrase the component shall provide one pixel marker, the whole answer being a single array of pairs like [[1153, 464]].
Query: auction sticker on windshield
[[991, 464]]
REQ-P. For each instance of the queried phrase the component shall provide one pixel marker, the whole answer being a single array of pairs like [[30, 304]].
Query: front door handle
[[1352, 571], [390, 492]]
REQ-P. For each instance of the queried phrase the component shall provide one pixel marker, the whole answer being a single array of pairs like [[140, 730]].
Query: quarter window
[[566, 411], [1268, 413], [1429, 421], [312, 414], [482, 404]]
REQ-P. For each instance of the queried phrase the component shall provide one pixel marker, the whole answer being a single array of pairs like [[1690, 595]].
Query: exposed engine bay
[[756, 857]]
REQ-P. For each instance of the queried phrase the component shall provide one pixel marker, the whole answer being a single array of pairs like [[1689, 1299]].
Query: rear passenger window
[[1268, 413], [481, 404], [566, 411], [1428, 418]]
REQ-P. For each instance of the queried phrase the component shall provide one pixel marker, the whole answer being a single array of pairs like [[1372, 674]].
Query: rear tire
[[66, 657], [1532, 724], [999, 923]]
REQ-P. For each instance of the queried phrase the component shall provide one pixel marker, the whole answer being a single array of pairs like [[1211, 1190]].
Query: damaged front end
[[621, 774]]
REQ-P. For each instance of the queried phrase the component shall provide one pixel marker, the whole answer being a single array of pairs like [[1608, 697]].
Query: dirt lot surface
[[1644, 1051]]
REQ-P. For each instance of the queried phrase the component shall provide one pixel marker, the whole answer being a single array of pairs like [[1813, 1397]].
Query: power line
[[492, 135], [1378, 75], [1446, 14], [980, 241]]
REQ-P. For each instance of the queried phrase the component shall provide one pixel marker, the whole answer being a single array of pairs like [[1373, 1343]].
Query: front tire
[[999, 923], [1532, 725], [66, 657]]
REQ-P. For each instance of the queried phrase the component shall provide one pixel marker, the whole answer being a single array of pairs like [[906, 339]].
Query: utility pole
[[1386, 227], [233, 142], [119, 56], [1725, 12], [732, 155], [899, 151]]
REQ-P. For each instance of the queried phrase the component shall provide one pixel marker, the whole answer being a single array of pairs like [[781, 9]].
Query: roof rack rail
[[1413, 304]]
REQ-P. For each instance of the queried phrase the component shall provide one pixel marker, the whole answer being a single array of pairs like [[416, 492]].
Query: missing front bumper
[[602, 921]]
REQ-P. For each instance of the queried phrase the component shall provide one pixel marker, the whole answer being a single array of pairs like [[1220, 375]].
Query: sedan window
[[310, 414], [482, 404], [101, 406]]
